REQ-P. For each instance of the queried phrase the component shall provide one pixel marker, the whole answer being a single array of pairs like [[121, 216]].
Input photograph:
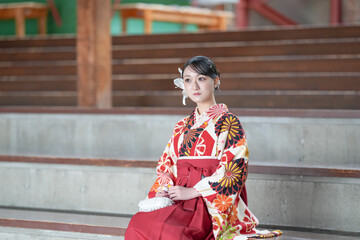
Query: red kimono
[[208, 152]]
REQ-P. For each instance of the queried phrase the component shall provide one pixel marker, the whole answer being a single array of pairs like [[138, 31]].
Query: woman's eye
[[201, 78], [186, 80]]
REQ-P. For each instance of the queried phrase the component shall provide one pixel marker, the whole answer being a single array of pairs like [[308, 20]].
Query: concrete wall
[[313, 202], [284, 140]]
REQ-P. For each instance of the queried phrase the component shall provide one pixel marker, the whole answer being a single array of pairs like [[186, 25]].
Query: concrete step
[[43, 225], [290, 196], [62, 221], [17, 233], [301, 137]]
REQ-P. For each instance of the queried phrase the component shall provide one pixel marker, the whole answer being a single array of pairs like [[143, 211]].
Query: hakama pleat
[[185, 220], [174, 222]]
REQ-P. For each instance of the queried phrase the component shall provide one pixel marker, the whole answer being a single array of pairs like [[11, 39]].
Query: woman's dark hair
[[202, 65]]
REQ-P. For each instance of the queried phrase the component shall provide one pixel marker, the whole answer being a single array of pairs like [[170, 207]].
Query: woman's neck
[[205, 106]]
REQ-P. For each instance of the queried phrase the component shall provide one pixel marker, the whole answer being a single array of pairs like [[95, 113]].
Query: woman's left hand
[[182, 193]]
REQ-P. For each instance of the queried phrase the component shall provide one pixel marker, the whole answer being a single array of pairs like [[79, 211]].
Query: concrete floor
[[297, 235]]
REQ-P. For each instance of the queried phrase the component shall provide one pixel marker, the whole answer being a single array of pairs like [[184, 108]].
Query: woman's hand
[[162, 194], [182, 193]]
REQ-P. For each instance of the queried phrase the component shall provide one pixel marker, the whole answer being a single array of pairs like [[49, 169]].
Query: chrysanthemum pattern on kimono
[[216, 133]]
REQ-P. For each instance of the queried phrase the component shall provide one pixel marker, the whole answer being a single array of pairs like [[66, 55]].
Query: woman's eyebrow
[[195, 75]]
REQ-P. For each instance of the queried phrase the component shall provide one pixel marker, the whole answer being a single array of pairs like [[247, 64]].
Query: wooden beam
[[94, 53]]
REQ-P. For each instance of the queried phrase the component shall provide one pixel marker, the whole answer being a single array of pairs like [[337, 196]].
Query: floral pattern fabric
[[215, 133]]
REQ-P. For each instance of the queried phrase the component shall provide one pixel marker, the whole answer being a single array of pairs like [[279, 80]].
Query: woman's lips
[[196, 94]]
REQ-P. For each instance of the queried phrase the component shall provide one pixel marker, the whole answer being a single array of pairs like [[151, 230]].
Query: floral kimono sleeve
[[228, 180], [221, 190], [165, 167]]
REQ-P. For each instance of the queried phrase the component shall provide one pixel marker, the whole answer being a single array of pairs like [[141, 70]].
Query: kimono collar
[[211, 113]]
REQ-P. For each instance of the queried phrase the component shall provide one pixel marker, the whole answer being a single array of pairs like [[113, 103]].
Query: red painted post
[[242, 14], [335, 12]]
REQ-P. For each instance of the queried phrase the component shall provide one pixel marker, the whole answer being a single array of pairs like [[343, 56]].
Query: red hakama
[[184, 220]]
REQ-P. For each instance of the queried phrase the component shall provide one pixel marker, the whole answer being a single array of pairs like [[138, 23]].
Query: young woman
[[201, 174]]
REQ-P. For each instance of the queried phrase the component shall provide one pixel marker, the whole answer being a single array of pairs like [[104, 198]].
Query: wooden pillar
[[42, 23], [20, 22], [94, 53], [147, 21]]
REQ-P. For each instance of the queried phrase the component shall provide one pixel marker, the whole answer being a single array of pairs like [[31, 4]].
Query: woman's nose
[[195, 85]]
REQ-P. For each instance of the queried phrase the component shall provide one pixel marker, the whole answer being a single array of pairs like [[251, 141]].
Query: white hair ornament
[[179, 82]]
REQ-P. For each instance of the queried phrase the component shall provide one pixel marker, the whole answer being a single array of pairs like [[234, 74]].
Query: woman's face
[[199, 88]]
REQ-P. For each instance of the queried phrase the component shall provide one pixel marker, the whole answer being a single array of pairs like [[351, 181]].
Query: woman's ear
[[217, 83]]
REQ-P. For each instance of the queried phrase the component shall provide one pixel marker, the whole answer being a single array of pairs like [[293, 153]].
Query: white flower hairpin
[[179, 82]]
